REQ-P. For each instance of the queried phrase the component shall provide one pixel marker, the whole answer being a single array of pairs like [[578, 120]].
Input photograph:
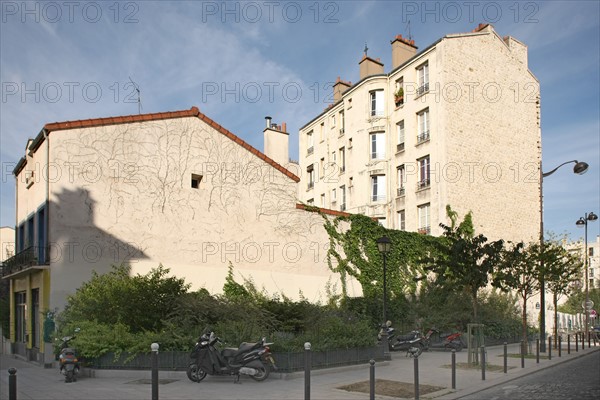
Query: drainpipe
[[47, 213]]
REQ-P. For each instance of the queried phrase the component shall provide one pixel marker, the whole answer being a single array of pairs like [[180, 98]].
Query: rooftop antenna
[[408, 29], [366, 48], [139, 99]]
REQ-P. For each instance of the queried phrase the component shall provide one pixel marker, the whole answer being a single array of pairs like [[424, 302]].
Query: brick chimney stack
[[276, 142], [402, 50], [370, 66], [339, 87]]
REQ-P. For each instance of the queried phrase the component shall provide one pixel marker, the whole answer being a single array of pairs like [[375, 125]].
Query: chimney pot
[[268, 121]]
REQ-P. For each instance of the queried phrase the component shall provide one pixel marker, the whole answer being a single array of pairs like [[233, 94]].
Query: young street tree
[[561, 270], [464, 262], [520, 272]]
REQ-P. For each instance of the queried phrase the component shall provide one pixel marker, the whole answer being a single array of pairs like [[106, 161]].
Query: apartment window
[[322, 199], [342, 160], [402, 220], [591, 272], [310, 143], [20, 317], [423, 214], [401, 176], [423, 79], [350, 182], [400, 131], [333, 196], [382, 221], [322, 167], [310, 171], [377, 145], [423, 123], [591, 252], [378, 188], [424, 173], [399, 92], [310, 202], [332, 120], [350, 143], [376, 103], [41, 236], [322, 131], [196, 179], [342, 122], [342, 198]]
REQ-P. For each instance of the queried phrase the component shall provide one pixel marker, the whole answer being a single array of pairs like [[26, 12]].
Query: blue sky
[[241, 61]]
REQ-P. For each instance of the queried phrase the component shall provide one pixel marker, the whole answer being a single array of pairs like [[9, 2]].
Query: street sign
[[587, 305], [593, 313]]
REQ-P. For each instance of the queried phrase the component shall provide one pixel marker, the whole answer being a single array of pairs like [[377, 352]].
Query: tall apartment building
[[593, 259], [455, 124]]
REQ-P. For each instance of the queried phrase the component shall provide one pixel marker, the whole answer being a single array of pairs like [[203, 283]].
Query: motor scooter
[[252, 359], [68, 360], [443, 340], [411, 342]]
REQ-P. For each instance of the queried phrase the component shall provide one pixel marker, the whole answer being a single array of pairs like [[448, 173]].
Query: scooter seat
[[229, 352], [245, 347], [404, 338]]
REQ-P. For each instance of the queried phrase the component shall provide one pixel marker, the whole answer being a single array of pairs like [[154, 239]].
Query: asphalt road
[[577, 379]]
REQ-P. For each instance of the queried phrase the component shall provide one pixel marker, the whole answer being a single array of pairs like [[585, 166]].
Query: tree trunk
[[524, 325], [555, 302], [474, 300]]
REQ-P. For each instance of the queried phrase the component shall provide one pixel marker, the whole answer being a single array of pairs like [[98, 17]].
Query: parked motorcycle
[[252, 359], [411, 342], [68, 360], [445, 340]]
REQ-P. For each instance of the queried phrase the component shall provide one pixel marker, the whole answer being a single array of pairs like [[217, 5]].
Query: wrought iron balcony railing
[[26, 258]]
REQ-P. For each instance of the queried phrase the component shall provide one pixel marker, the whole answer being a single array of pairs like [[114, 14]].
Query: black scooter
[[411, 342], [68, 360], [252, 359]]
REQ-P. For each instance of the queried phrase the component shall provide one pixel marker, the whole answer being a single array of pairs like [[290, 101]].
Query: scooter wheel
[[262, 374], [69, 376], [194, 373]]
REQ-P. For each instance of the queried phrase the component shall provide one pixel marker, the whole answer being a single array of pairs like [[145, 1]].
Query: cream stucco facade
[[171, 188], [465, 133]]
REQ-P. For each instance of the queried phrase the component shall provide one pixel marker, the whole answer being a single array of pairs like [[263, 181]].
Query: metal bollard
[[549, 347], [588, 335], [12, 384], [307, 363], [568, 343], [453, 368], [522, 354], [537, 351], [154, 348], [483, 363], [560, 346], [505, 358], [582, 341], [416, 378], [576, 342], [372, 380]]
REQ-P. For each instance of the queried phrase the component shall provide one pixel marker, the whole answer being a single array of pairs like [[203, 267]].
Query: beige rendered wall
[[125, 195], [493, 134]]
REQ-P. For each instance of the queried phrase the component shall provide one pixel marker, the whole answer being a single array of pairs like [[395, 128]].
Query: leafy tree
[[561, 270], [577, 297], [520, 272], [463, 261]]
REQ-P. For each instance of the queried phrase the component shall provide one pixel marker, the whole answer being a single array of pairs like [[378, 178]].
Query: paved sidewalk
[[34, 382]]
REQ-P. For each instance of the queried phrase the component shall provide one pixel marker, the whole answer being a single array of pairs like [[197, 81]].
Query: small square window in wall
[[196, 179]]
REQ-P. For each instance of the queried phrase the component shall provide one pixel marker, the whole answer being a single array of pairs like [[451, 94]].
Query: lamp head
[[592, 217], [580, 222], [384, 244], [580, 167]]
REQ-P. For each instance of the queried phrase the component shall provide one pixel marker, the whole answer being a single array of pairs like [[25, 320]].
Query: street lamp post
[[579, 168], [384, 245], [583, 221]]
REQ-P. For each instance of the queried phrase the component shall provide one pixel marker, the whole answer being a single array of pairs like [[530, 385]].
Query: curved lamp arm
[[579, 168]]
